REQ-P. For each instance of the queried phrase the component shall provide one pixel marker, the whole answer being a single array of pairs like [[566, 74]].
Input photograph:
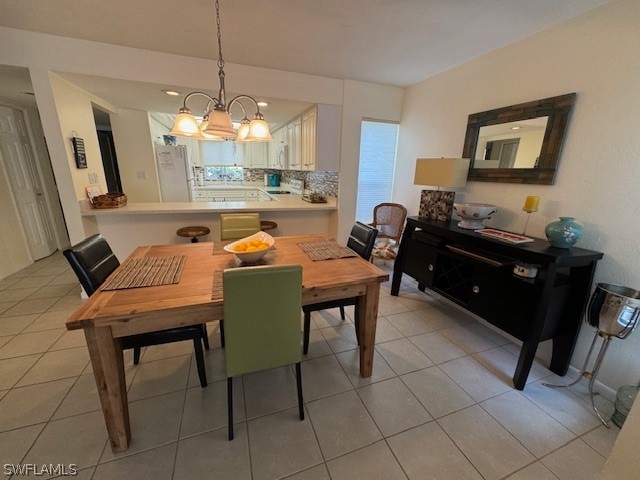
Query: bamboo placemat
[[147, 272], [216, 291], [324, 250]]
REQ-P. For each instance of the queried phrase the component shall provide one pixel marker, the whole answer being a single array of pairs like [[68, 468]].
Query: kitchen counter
[[138, 224], [280, 203]]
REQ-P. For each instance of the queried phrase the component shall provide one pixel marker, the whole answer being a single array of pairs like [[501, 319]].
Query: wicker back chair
[[389, 219]]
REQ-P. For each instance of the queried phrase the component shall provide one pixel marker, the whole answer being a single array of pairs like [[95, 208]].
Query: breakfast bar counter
[[156, 223], [283, 203]]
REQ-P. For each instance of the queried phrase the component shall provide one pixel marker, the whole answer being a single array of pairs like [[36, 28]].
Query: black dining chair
[[92, 260], [361, 240]]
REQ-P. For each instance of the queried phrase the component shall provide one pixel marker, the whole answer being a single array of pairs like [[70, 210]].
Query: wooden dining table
[[107, 316]]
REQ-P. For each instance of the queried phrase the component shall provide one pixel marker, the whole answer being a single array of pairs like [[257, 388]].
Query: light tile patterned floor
[[439, 405]]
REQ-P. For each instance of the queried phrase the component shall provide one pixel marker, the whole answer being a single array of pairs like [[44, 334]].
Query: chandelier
[[216, 123]]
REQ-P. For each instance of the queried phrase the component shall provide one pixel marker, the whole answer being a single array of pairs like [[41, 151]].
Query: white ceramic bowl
[[251, 257], [472, 214]]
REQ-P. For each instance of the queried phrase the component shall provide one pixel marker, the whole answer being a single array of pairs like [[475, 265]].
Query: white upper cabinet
[[326, 138], [313, 139], [294, 146], [221, 153], [308, 139], [194, 150], [255, 154]]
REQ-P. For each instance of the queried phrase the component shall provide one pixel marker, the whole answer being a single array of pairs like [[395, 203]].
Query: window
[[378, 141], [220, 173]]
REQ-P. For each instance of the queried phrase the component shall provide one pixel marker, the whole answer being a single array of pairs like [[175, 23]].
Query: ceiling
[[391, 42], [15, 86], [150, 97], [394, 42]]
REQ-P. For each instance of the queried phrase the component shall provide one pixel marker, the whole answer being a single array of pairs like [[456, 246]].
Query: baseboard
[[543, 353], [16, 269]]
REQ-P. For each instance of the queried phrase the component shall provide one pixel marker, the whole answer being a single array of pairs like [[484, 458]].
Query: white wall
[[624, 462], [136, 155], [43, 53], [44, 161], [361, 101], [75, 117], [595, 55]]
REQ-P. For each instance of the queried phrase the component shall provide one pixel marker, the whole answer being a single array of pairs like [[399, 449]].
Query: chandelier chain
[[220, 60]]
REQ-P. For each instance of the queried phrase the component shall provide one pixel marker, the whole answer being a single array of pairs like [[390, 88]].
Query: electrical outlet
[[93, 177], [142, 175]]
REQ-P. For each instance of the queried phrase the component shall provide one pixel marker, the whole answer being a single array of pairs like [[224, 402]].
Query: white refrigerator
[[174, 173]]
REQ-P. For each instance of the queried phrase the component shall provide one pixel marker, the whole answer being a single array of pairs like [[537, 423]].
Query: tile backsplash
[[321, 182]]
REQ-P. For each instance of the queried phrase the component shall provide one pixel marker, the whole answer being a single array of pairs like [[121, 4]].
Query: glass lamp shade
[[258, 131], [206, 136], [185, 125], [220, 124], [243, 131]]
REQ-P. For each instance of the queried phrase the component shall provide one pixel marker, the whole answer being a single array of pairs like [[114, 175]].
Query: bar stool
[[267, 225], [193, 232], [614, 311]]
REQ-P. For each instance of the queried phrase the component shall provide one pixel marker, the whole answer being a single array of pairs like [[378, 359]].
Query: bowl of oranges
[[252, 248]]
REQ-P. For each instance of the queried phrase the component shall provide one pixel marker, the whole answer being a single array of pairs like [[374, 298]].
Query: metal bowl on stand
[[614, 310]]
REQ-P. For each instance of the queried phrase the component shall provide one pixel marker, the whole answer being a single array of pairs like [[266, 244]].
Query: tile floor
[[439, 405]]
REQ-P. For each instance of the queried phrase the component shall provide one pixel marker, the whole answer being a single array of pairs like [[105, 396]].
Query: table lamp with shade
[[441, 173]]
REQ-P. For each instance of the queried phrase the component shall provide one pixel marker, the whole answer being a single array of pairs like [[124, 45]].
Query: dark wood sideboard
[[476, 272]]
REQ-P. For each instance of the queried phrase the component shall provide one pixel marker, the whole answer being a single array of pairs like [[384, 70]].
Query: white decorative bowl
[[472, 214], [251, 257]]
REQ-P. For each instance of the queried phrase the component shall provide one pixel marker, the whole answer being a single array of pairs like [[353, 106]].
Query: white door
[[18, 159]]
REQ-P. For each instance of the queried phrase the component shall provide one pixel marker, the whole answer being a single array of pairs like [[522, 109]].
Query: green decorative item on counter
[[564, 233]]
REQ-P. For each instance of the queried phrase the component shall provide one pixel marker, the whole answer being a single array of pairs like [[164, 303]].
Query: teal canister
[[564, 233]]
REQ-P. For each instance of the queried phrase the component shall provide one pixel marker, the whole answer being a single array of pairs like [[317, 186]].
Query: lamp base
[[436, 205]]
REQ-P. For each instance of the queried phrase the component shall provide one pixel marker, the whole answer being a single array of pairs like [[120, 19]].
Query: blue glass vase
[[564, 233]]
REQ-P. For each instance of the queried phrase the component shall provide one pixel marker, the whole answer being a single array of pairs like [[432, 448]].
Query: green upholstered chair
[[261, 323], [238, 225]]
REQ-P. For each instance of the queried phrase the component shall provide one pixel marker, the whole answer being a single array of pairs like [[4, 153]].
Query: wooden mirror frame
[[556, 108]]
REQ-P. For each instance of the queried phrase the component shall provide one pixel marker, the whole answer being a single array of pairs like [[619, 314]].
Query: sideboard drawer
[[421, 263]]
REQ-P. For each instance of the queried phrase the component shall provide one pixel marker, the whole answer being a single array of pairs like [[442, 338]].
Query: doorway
[[107, 150], [30, 200]]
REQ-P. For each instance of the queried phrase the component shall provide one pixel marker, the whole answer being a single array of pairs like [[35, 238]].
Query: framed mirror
[[519, 143]]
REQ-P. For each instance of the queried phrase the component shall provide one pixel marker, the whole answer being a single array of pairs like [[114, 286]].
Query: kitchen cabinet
[[231, 195], [277, 149], [308, 139], [194, 150], [294, 133], [476, 273], [255, 154], [314, 139], [221, 195], [221, 153]]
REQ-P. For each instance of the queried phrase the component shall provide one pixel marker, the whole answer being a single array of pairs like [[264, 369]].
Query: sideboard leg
[[525, 360], [398, 265]]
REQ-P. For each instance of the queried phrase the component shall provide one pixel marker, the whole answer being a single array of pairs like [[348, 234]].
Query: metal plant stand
[[614, 311]]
